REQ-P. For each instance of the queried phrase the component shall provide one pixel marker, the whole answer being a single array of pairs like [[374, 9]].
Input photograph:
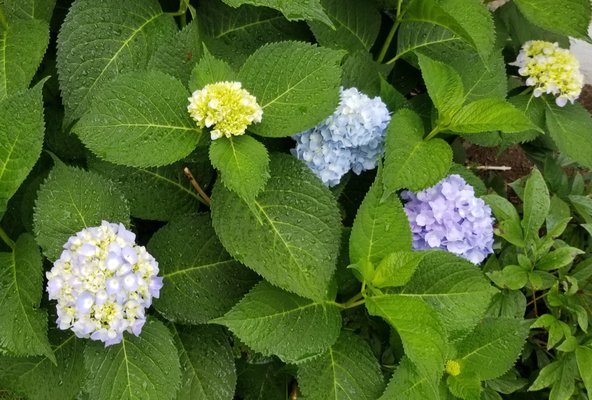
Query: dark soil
[[586, 97], [510, 165]]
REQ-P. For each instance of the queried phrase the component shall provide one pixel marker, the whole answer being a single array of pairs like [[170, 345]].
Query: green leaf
[[23, 326], [348, 370], [70, 200], [584, 361], [23, 43], [432, 11], [200, 280], [410, 162], [456, 289], [492, 348], [534, 109], [29, 9], [489, 115], [207, 363], [536, 204], [420, 329], [408, 383], [396, 269], [244, 164], [210, 70], [502, 208], [361, 71], [571, 18], [120, 37], [558, 258], [272, 321], [465, 386], [143, 367], [356, 25], [144, 111], [234, 34], [507, 304], [177, 54], [158, 194], [416, 36], [444, 86], [380, 227], [293, 10], [557, 329], [296, 84], [21, 140], [39, 379], [570, 129], [560, 375], [296, 243]]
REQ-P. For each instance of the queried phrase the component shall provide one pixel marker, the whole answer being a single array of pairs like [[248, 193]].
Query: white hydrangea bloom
[[351, 138], [103, 282]]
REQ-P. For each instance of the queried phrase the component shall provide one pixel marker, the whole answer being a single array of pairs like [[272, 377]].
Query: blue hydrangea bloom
[[448, 216], [350, 139], [103, 282]]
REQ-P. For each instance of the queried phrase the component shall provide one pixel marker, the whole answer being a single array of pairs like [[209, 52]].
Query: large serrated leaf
[[244, 164], [296, 84], [380, 227], [208, 70], [70, 200], [408, 384], [207, 363], [536, 204], [444, 86], [272, 321], [570, 129], [560, 375], [356, 25], [143, 368], [293, 10], [411, 162], [119, 37], [456, 288], [22, 44], [294, 239], [490, 115], [420, 329], [157, 194], [347, 371], [492, 348], [30, 9], [21, 140], [569, 18], [177, 54], [416, 36], [39, 379], [201, 281], [144, 111], [263, 380], [23, 326], [235, 33]]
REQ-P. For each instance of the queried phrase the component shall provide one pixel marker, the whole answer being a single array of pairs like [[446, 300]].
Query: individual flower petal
[[550, 70], [448, 216], [103, 283], [351, 138], [225, 107]]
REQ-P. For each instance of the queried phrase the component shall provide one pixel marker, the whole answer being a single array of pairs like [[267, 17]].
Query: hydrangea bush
[[260, 199]]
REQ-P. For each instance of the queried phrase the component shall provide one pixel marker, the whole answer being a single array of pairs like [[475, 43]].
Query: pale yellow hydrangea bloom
[[453, 368], [226, 107], [550, 69]]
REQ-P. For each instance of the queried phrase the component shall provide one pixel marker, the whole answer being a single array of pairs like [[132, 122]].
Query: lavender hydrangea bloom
[[103, 282], [448, 216], [351, 138]]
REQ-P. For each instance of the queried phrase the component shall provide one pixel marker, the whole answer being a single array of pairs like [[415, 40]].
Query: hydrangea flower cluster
[[351, 138], [448, 216], [550, 69], [226, 107], [103, 282]]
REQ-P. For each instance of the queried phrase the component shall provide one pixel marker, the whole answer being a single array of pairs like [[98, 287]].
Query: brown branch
[[196, 186], [294, 392]]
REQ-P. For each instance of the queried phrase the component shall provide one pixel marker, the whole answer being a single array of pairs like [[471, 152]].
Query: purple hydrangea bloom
[[448, 216], [103, 282], [351, 138]]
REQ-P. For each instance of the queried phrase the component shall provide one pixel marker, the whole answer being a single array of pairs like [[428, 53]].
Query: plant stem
[[294, 392], [206, 199], [433, 133], [6, 239], [391, 35], [355, 301]]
